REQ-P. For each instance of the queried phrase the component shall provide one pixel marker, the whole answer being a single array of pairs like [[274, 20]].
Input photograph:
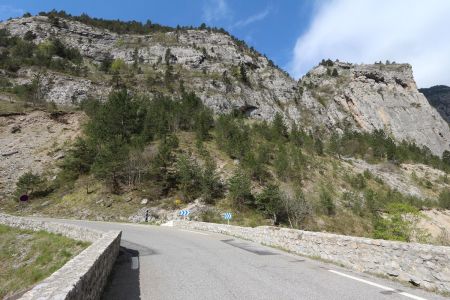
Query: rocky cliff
[[208, 62], [369, 97], [439, 98], [228, 75]]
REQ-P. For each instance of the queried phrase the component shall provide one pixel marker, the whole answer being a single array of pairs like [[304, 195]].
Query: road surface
[[172, 263]]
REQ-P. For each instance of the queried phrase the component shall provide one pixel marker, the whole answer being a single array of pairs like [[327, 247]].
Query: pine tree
[[239, 189], [243, 74], [279, 128], [270, 202], [335, 73]]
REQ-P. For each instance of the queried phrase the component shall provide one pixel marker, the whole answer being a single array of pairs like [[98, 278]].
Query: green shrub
[[444, 199], [118, 65], [31, 184], [326, 201], [398, 224], [270, 202], [189, 178], [358, 181], [233, 136], [211, 187], [239, 189]]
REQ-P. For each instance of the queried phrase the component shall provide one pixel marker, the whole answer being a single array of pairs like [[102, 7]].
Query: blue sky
[[297, 34]]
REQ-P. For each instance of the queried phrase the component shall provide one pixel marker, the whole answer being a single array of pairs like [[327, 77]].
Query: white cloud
[[7, 11], [215, 10], [413, 31], [254, 18]]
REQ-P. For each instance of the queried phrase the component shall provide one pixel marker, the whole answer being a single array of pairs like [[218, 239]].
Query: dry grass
[[27, 257]]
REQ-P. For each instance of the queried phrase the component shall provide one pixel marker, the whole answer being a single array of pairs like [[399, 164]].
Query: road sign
[[184, 212], [227, 216]]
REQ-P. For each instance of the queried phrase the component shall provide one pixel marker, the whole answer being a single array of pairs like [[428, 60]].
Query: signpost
[[184, 213], [227, 216]]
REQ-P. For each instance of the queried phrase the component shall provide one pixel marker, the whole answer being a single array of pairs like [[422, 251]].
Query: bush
[[358, 181], [21, 52], [189, 178], [377, 146], [444, 199], [118, 65], [233, 136], [211, 187], [31, 184], [281, 163], [296, 208], [270, 202], [326, 202], [255, 163], [79, 159], [239, 189], [106, 63], [161, 166], [398, 224], [279, 128], [204, 121]]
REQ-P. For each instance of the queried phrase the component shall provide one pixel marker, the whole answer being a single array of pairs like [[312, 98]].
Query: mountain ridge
[[227, 75]]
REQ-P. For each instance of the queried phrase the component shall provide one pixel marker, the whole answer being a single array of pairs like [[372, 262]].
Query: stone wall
[[85, 275], [425, 265]]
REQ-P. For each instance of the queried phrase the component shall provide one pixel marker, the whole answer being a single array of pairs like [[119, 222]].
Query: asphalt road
[[171, 263]]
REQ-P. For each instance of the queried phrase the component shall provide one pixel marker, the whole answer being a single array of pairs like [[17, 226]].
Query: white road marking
[[193, 231], [378, 285], [134, 263]]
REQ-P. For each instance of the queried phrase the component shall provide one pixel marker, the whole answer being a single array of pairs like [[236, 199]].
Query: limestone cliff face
[[362, 97], [208, 62], [369, 97]]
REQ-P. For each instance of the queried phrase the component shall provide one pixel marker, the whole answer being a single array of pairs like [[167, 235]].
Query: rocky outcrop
[[33, 143], [63, 89], [369, 97], [331, 97], [439, 98], [208, 62]]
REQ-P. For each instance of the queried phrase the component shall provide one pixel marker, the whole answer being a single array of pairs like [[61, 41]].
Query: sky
[[297, 34]]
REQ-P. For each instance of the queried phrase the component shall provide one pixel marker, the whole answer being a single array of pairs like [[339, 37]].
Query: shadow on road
[[123, 283], [248, 247]]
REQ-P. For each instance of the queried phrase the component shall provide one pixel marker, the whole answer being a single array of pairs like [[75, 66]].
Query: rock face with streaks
[[369, 97], [208, 62], [227, 75]]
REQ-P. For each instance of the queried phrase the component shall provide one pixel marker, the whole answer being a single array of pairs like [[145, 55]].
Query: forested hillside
[[162, 119]]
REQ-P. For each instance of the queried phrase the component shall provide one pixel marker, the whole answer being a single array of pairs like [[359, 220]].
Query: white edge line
[[377, 285], [193, 231]]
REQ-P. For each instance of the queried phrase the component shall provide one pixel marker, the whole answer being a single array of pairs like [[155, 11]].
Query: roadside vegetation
[[174, 150], [164, 148], [27, 257]]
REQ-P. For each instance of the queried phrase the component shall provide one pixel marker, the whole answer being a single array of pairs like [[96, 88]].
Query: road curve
[[171, 263]]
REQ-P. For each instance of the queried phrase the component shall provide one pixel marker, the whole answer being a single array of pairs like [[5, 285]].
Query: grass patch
[[27, 257]]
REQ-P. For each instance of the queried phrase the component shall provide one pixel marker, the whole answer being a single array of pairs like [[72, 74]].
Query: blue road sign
[[184, 212], [227, 216]]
